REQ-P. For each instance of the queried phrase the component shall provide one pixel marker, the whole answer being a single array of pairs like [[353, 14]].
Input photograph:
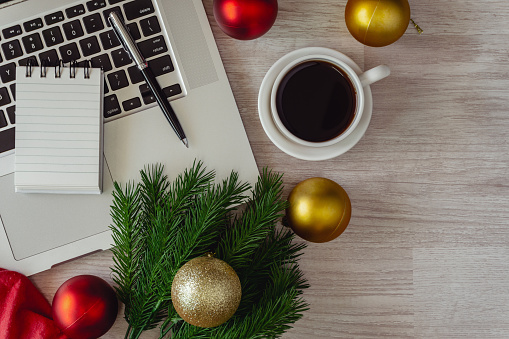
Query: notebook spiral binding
[[73, 65]]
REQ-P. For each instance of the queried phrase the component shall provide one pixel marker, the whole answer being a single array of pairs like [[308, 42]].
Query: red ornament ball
[[245, 19], [85, 307]]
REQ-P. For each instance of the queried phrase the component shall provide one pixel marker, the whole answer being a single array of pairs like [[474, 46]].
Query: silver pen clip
[[126, 40]]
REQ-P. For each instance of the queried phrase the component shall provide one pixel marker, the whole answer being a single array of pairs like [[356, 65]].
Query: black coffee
[[316, 101]]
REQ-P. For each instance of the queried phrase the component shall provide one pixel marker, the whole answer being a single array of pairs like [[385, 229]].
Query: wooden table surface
[[425, 254]]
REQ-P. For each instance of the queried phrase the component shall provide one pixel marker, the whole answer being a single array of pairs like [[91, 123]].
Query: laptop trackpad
[[35, 223]]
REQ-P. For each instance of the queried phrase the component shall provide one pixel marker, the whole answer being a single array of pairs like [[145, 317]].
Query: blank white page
[[58, 131]]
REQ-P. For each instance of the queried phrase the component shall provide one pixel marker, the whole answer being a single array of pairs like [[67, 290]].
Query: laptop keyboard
[[79, 32]]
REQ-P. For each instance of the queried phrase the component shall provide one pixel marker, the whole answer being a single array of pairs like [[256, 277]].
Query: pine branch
[[172, 321], [279, 248], [252, 228], [143, 310], [153, 189], [127, 237], [279, 307], [211, 211], [271, 280], [173, 223], [201, 227], [158, 226]]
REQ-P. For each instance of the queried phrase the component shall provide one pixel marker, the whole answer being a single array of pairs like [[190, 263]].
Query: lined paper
[[58, 132]]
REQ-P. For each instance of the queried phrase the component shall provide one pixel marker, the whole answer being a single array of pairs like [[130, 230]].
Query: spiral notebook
[[58, 130]]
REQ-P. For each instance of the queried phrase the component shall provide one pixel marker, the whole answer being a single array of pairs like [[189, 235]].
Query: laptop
[[38, 231]]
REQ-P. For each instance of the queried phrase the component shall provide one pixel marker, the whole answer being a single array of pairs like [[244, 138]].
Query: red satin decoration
[[245, 19], [85, 307], [24, 313]]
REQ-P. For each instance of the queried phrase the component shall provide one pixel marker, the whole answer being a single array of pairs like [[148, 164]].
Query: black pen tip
[[185, 142]]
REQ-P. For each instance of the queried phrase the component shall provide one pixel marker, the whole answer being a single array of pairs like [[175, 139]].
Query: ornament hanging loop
[[419, 29]]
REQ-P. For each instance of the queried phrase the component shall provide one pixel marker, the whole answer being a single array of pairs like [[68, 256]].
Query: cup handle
[[374, 74]]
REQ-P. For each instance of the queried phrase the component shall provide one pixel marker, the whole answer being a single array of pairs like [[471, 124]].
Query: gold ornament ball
[[377, 23], [319, 210], [206, 292]]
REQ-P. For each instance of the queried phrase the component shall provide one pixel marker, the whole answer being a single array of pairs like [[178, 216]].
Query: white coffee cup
[[357, 81]]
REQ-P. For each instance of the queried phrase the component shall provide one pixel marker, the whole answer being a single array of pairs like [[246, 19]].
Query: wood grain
[[425, 254]]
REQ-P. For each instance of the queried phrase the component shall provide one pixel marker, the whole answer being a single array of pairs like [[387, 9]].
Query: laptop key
[[118, 80], [51, 57], [90, 46], [93, 23], [134, 31], [33, 25], [75, 11], [146, 94], [13, 90], [138, 8], [161, 65], [120, 57], [8, 72], [102, 61], [93, 5], [32, 43], [172, 90], [107, 12], [109, 39], [7, 140], [153, 46], [11, 113], [111, 106], [106, 90], [12, 49], [131, 104], [54, 18], [69, 52], [112, 2], [150, 26], [12, 31], [3, 119], [52, 36], [24, 61], [72, 29], [135, 74], [4, 97]]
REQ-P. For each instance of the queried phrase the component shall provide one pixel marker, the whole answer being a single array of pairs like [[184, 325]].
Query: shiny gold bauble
[[206, 292], [377, 23], [319, 210]]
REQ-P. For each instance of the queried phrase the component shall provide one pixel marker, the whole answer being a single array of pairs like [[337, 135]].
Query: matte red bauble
[[85, 307], [245, 19]]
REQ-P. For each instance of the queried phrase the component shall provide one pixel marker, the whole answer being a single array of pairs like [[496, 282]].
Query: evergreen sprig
[[250, 230], [158, 226]]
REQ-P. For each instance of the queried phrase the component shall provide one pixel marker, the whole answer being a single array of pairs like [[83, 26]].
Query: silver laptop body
[[40, 230]]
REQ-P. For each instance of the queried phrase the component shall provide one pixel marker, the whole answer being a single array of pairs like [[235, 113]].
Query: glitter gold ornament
[[377, 23], [206, 291], [319, 210]]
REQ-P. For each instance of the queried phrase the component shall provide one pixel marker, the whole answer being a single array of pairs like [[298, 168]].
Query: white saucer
[[290, 147]]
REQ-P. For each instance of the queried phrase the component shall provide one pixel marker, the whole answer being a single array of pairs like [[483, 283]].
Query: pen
[[127, 41]]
